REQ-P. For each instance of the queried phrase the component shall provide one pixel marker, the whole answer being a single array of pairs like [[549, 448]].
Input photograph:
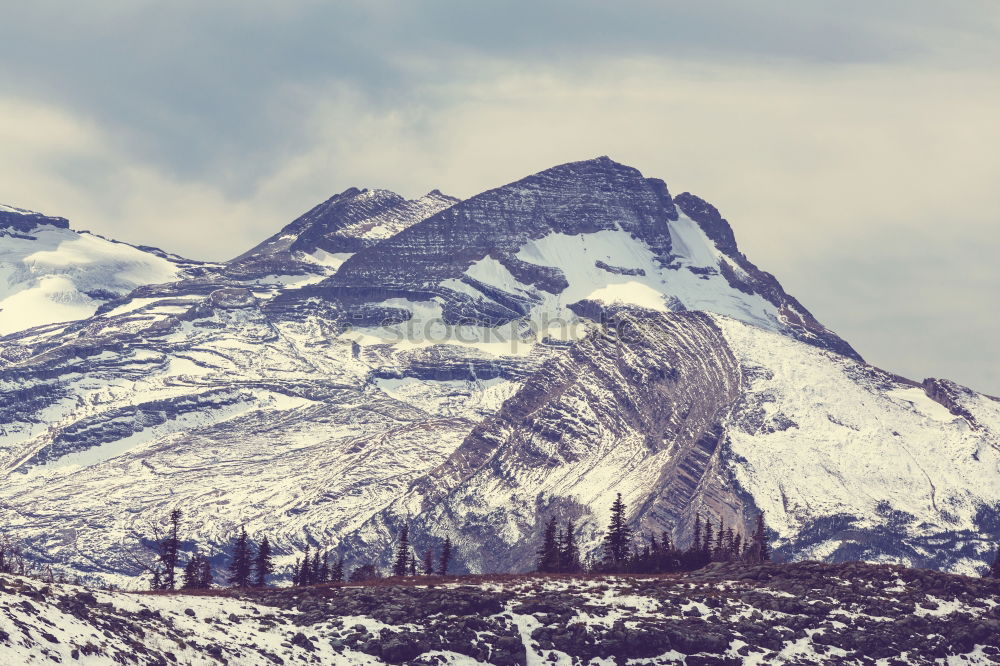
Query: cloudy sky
[[854, 145]]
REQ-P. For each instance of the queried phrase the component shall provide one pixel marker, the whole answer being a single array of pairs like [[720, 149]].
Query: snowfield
[[61, 275]]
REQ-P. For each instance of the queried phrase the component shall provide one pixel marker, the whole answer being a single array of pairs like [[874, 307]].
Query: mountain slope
[[528, 352], [50, 273], [688, 412]]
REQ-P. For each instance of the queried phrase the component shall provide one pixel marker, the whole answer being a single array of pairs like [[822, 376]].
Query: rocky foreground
[[801, 613]]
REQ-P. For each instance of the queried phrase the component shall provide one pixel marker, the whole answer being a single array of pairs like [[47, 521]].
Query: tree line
[[621, 552], [249, 565], [310, 570]]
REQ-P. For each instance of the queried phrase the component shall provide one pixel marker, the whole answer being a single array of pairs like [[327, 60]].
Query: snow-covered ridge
[[347, 222], [50, 273]]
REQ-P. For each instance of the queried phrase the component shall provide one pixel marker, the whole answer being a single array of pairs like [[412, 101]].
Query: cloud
[[850, 144]]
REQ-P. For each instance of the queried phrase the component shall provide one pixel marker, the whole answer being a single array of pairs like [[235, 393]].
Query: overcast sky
[[854, 145]]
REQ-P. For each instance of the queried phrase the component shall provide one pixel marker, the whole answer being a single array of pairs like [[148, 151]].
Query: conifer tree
[[719, 547], [569, 552], [305, 568], [428, 562], [399, 566], [170, 551], [337, 571], [696, 544], [262, 566], [548, 552], [412, 567], [737, 549], [205, 574], [324, 570], [758, 550], [191, 579], [316, 569], [707, 542], [241, 564], [445, 561], [617, 540], [297, 572], [994, 571]]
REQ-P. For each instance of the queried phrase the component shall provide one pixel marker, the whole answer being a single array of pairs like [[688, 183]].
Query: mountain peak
[[347, 222]]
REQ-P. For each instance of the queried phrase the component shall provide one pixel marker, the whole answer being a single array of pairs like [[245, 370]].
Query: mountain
[[802, 613], [473, 368], [50, 273], [345, 223]]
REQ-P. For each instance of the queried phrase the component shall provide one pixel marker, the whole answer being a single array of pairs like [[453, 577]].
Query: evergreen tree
[[305, 568], [297, 572], [696, 543], [205, 574], [157, 582], [445, 561], [569, 552], [719, 549], [994, 571], [707, 542], [737, 549], [548, 552], [337, 571], [399, 566], [758, 550], [241, 564], [428, 562], [262, 566], [324, 570], [316, 569], [169, 552], [618, 538], [191, 579], [412, 567]]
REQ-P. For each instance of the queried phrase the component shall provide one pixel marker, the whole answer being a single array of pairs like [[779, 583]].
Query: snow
[[44, 280], [576, 257], [856, 445], [332, 260], [19, 211], [631, 293], [450, 397], [921, 403]]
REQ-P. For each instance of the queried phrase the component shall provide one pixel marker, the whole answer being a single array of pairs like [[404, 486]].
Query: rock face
[[344, 224], [473, 368], [725, 614], [21, 221]]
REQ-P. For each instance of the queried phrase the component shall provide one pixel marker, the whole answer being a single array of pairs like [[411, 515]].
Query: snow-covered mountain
[[51, 273], [473, 368]]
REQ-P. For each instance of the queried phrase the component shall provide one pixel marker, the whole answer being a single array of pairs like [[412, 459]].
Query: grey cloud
[[200, 88]]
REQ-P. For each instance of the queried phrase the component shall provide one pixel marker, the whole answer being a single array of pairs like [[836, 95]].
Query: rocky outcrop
[[722, 615], [21, 221]]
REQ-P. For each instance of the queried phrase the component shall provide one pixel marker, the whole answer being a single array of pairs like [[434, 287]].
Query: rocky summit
[[802, 613], [470, 369]]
